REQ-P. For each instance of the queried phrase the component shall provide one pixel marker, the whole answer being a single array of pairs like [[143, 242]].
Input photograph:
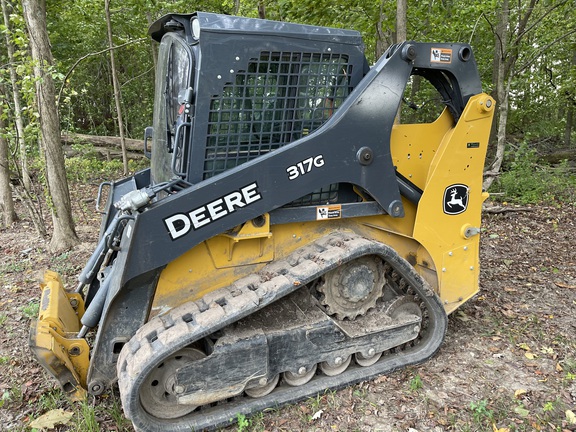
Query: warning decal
[[441, 55], [329, 212]]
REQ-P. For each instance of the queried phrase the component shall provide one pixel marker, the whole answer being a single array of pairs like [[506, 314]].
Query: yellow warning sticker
[[329, 212], [441, 55]]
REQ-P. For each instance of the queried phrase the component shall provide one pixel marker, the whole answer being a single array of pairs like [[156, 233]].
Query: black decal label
[[329, 212], [456, 199], [441, 55]]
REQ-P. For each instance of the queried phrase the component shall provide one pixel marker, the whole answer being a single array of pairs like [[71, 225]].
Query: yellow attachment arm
[[53, 336]]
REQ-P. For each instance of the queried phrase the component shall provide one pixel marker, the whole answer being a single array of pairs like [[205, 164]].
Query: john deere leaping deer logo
[[455, 199]]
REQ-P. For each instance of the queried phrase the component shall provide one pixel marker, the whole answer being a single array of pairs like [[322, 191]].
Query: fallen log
[[501, 209], [102, 147]]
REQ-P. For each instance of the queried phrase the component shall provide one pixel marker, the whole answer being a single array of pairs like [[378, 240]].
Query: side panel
[[449, 212], [196, 273]]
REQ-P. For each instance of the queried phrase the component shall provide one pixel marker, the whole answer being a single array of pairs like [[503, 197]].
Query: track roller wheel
[[263, 389], [304, 374], [157, 394], [368, 360], [337, 367]]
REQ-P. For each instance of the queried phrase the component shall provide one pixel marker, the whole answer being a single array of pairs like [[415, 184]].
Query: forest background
[[101, 65]]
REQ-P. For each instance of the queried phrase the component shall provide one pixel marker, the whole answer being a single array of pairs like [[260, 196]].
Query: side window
[[172, 75], [279, 98]]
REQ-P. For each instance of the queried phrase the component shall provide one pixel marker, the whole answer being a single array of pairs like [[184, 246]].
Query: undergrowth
[[89, 167], [527, 180]]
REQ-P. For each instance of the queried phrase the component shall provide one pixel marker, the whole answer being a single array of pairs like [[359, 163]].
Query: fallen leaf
[[51, 418], [497, 429], [563, 285], [462, 316], [521, 411], [529, 355], [559, 368], [571, 417], [524, 346], [317, 415], [520, 392]]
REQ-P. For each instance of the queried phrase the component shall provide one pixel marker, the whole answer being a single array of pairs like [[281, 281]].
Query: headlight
[[195, 25]]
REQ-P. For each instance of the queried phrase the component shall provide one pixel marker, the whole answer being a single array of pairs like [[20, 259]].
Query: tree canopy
[[526, 52]]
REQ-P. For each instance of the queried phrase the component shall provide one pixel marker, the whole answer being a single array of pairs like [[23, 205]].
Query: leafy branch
[[92, 54]]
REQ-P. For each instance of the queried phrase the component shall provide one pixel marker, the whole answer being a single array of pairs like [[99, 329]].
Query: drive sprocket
[[353, 288]]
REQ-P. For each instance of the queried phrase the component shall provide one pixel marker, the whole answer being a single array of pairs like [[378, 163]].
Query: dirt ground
[[508, 362]]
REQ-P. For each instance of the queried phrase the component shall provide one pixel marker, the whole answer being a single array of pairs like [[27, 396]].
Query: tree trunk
[[382, 42], [401, 34], [16, 97], [116, 87], [63, 235], [152, 42], [401, 21], [502, 92], [6, 201], [571, 103], [261, 10]]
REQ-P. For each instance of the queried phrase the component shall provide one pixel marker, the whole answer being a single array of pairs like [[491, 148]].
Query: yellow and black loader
[[290, 235]]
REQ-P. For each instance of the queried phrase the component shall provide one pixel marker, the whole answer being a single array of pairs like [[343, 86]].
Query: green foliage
[[480, 411], [86, 419], [415, 383], [90, 168], [243, 422], [30, 310], [527, 180]]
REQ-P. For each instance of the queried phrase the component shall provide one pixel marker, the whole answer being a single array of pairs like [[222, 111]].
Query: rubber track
[[192, 321]]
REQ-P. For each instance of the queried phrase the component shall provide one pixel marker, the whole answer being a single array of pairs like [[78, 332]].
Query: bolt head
[[371, 352], [302, 370]]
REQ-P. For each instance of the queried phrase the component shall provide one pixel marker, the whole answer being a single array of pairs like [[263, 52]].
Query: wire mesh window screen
[[281, 97]]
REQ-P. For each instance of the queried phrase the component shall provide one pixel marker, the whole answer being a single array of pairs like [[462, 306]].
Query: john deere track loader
[[291, 235]]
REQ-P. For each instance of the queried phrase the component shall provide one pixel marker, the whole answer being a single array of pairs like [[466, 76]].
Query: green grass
[[415, 383]]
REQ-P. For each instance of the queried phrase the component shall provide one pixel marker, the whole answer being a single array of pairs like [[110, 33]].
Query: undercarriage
[[286, 333]]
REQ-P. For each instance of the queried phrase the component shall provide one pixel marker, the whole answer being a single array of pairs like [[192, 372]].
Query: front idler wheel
[[158, 392]]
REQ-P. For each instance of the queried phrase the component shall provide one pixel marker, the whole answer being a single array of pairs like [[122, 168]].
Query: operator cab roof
[[218, 23]]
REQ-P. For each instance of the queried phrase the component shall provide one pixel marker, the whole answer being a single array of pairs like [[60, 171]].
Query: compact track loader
[[291, 235]]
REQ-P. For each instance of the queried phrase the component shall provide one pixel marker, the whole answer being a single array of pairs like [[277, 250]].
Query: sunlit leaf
[[520, 392], [52, 418]]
